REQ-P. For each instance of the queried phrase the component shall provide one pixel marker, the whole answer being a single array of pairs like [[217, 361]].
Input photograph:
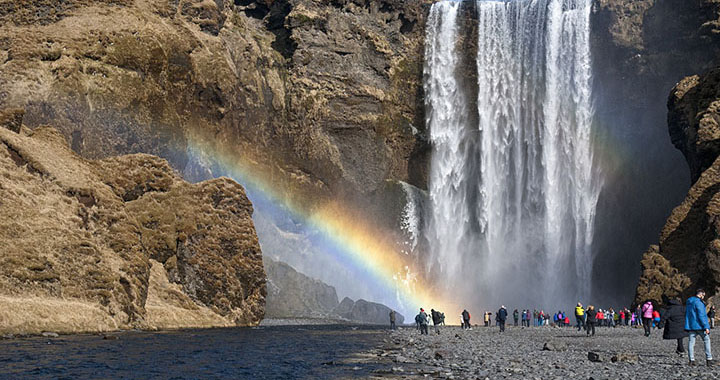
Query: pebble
[[539, 353]]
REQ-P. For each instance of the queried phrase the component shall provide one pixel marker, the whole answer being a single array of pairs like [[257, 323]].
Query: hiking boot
[[692, 363], [710, 363]]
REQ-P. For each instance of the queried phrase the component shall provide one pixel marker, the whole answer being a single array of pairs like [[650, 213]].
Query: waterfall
[[513, 186]]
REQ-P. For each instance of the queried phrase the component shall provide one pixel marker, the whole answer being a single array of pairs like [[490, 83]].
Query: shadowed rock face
[[121, 242], [688, 255], [640, 50], [694, 120], [366, 312], [325, 94], [294, 295]]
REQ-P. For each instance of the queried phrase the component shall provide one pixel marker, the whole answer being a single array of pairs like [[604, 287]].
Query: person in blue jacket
[[697, 324]]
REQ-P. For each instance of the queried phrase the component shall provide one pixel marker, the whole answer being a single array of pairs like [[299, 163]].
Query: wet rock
[[595, 357], [50, 334], [110, 337]]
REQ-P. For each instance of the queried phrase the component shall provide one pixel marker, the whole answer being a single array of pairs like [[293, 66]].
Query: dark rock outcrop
[[119, 243], [688, 255], [694, 120]]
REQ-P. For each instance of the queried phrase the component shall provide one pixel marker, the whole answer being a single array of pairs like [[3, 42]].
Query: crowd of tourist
[[694, 320]]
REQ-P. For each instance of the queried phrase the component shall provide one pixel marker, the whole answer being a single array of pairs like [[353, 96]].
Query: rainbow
[[354, 242]]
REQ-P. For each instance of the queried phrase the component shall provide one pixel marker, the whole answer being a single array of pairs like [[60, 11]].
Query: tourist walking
[[516, 316], [696, 324], [590, 320], [392, 319], [579, 316], [422, 320], [647, 315], [486, 318], [673, 318], [501, 318], [466, 318], [436, 320]]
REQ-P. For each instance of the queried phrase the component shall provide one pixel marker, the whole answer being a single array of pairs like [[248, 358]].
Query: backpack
[[418, 318]]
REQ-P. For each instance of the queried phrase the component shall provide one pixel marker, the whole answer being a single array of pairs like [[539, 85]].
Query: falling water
[[513, 188]]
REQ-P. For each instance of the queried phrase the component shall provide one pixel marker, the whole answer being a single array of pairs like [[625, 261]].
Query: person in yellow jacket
[[580, 316]]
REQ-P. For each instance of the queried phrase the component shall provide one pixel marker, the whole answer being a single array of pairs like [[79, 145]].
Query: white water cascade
[[513, 185]]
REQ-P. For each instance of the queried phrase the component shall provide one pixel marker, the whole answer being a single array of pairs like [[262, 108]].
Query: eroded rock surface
[[119, 243], [688, 255], [327, 95]]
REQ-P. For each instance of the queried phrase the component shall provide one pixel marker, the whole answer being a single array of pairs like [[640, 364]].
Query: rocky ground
[[485, 353]]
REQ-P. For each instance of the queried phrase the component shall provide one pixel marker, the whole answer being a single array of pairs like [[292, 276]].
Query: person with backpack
[[590, 320], [697, 325], [436, 320], [466, 318], [422, 320], [516, 316], [673, 320], [501, 317], [392, 320], [647, 314]]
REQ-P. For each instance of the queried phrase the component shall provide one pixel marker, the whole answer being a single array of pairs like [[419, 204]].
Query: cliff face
[[640, 50], [688, 255], [118, 243], [324, 94]]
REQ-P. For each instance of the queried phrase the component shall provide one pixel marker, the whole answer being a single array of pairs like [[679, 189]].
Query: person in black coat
[[673, 318], [591, 320], [501, 317]]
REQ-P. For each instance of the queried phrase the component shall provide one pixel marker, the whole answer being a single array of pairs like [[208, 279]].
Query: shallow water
[[315, 352]]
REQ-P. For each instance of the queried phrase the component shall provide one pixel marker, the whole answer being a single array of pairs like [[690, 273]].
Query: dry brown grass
[[79, 232]]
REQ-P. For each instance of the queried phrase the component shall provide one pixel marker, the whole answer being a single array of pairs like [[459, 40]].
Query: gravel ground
[[485, 353]]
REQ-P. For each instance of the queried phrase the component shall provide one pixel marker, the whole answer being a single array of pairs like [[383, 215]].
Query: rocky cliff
[[122, 242], [688, 255], [326, 95], [292, 295], [640, 50]]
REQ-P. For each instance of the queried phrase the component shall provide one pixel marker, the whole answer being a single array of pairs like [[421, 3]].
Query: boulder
[[595, 357]]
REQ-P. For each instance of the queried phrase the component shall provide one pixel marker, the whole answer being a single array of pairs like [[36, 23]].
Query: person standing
[[516, 316], [466, 318], [422, 320], [647, 316], [673, 318], [436, 320], [392, 319], [502, 317], [696, 324], [590, 320], [711, 317]]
